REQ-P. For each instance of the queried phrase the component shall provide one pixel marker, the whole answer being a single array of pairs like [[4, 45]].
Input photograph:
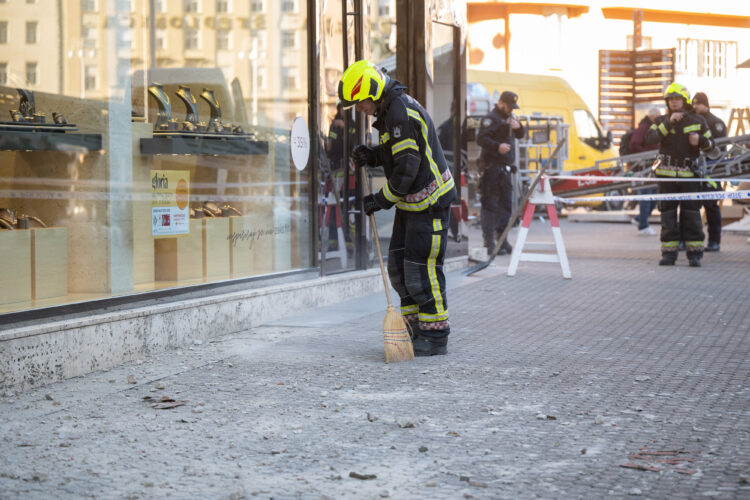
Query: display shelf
[[44, 139], [197, 144]]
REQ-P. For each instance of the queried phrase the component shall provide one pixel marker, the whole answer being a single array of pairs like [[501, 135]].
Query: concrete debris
[[363, 477]]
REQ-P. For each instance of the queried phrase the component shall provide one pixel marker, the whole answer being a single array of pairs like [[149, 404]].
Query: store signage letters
[[193, 22]]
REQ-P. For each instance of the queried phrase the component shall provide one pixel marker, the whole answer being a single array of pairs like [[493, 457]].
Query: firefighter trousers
[[415, 268], [689, 223]]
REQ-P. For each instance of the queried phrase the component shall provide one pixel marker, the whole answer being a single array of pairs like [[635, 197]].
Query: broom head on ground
[[398, 346]]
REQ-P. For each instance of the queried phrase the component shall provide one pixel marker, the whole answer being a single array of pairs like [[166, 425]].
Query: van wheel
[[610, 205]]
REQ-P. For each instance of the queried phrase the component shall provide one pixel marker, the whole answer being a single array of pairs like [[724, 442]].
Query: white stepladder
[[542, 195]]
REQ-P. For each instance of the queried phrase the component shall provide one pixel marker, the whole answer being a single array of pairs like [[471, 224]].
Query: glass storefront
[[158, 144], [144, 149]]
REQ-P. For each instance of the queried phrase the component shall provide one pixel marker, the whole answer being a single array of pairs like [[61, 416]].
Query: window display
[[150, 150]]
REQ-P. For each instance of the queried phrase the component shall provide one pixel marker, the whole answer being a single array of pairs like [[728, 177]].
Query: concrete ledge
[[41, 354]]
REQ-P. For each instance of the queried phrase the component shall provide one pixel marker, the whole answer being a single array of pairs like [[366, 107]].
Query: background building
[[564, 39]]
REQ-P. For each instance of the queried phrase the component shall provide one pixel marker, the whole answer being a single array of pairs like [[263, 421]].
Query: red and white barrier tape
[[589, 178], [706, 195]]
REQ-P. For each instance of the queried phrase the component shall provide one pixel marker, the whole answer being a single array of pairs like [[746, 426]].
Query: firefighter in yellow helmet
[[420, 186], [681, 135]]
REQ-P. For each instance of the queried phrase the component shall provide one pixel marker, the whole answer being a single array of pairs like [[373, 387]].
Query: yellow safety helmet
[[362, 80], [677, 90]]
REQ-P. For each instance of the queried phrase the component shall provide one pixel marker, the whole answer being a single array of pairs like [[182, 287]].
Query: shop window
[[288, 39], [88, 5], [214, 134], [92, 77], [192, 39], [192, 6], [3, 31], [31, 73], [222, 40], [382, 52], [222, 6], [256, 6], [30, 1], [288, 6], [31, 28]]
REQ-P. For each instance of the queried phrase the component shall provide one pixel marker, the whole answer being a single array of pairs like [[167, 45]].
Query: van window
[[588, 130]]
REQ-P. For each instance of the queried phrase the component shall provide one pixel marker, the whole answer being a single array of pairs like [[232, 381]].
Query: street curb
[[36, 355]]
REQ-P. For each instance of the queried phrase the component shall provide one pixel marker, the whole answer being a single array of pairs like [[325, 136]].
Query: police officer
[[713, 211], [497, 137], [681, 135], [421, 187]]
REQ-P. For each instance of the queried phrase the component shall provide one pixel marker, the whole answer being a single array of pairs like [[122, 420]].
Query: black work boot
[[507, 247], [430, 346], [694, 259], [712, 246], [668, 259]]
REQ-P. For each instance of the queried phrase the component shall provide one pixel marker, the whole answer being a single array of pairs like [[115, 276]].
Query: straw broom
[[396, 338]]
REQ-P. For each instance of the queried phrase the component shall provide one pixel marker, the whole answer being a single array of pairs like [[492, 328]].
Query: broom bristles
[[396, 338]]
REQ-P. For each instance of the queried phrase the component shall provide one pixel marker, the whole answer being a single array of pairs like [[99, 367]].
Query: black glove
[[363, 155], [369, 204]]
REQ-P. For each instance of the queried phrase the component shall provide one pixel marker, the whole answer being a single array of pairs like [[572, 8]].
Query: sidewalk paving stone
[[630, 380]]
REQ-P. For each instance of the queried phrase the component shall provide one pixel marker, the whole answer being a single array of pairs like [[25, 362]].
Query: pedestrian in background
[[497, 136], [421, 187], [638, 145], [712, 207]]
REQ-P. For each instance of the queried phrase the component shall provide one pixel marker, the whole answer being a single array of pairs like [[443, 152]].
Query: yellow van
[[551, 95]]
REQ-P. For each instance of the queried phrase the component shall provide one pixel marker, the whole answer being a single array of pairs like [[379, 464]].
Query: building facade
[[154, 147], [564, 38]]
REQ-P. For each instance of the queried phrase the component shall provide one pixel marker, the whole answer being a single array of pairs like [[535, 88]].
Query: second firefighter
[[681, 135]]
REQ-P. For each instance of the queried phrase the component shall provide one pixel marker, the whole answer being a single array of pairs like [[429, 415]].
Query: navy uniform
[[713, 210], [678, 159], [495, 185], [420, 186]]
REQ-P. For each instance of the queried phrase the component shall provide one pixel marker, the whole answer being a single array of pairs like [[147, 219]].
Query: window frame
[[29, 66], [186, 35], [32, 36]]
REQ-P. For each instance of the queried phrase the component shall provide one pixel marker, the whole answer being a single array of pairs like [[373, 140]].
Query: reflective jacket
[[496, 130], [417, 174], [677, 156]]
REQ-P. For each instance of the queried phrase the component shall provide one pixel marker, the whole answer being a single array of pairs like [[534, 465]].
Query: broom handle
[[386, 284]]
